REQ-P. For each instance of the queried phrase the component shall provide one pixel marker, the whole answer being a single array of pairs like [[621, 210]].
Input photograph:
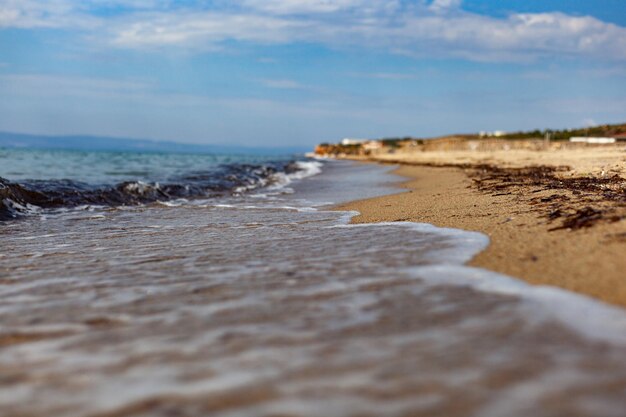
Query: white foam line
[[466, 244], [587, 316], [306, 169], [268, 207]]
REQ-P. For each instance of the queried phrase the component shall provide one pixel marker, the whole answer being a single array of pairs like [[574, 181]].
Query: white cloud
[[302, 6], [519, 36], [191, 29], [80, 14], [444, 5], [424, 29], [416, 31], [283, 84], [385, 75], [46, 14]]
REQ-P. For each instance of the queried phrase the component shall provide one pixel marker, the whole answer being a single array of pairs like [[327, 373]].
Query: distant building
[[581, 139], [494, 134], [351, 141]]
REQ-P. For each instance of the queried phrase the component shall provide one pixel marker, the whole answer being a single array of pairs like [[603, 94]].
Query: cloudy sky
[[297, 72]]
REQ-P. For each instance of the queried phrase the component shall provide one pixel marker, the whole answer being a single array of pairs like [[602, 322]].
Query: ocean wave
[[34, 196]]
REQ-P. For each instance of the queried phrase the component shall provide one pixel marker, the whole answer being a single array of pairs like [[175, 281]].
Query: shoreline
[[571, 248]]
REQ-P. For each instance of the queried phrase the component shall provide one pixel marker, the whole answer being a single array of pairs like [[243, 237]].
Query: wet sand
[[564, 227]]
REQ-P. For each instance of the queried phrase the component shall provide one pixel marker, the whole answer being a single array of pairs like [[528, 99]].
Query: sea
[[154, 284]]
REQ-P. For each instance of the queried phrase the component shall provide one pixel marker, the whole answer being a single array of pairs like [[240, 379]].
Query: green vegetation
[[565, 134], [395, 142], [334, 149]]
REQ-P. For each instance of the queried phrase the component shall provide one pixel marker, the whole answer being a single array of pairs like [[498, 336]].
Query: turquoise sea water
[[112, 167]]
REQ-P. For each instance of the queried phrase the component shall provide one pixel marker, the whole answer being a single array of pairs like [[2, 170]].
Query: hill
[[611, 130]]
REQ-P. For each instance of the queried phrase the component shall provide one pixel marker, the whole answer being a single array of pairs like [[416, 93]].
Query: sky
[[300, 72]]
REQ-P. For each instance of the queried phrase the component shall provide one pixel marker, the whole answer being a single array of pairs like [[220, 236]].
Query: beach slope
[[554, 218]]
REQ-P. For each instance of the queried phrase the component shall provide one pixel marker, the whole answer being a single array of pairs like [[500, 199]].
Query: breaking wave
[[33, 196]]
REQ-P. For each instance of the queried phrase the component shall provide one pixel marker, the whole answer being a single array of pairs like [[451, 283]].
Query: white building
[[581, 139], [351, 141], [494, 134]]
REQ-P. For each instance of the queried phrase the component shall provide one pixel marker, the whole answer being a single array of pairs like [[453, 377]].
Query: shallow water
[[269, 304]]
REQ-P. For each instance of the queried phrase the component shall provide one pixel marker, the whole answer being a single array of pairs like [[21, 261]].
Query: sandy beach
[[554, 217]]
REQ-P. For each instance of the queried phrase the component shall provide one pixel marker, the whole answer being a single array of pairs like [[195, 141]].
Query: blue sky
[[298, 72]]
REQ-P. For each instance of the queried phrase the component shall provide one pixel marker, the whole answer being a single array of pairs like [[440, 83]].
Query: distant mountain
[[99, 143]]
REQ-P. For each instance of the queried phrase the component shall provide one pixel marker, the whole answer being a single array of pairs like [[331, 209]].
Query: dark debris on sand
[[575, 203]]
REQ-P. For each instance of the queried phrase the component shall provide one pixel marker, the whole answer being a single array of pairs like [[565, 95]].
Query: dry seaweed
[[584, 217], [568, 193], [578, 202]]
